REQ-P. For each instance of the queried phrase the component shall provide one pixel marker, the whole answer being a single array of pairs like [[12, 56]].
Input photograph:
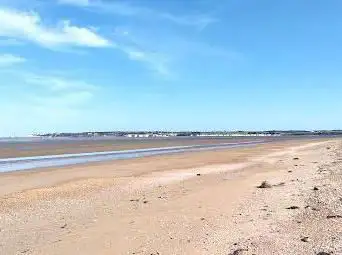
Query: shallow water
[[25, 163]]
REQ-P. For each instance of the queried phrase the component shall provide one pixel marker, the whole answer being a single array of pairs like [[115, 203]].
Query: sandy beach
[[191, 203]]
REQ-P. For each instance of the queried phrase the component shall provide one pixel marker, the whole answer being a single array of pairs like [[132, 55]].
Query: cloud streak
[[163, 53], [43, 102], [154, 61], [56, 83], [10, 60], [29, 26], [127, 9]]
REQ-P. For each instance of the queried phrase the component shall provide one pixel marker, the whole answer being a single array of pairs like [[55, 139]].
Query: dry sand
[[193, 203]]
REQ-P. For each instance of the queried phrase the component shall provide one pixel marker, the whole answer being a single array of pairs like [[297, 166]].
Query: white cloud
[[9, 60], [29, 26], [126, 9]]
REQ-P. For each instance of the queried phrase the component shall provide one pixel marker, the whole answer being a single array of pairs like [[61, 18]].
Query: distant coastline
[[156, 134]]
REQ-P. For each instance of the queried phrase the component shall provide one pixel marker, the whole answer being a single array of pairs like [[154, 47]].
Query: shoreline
[[196, 203], [59, 147], [37, 162]]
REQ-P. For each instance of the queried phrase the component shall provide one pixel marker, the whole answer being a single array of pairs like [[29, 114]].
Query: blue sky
[[79, 65]]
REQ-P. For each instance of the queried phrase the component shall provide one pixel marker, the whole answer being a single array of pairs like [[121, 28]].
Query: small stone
[[145, 202], [290, 171], [296, 158], [64, 226], [198, 174], [305, 239], [315, 188]]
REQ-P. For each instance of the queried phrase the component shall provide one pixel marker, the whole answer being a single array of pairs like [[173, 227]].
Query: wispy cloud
[[200, 21], [29, 26], [71, 99], [128, 9], [162, 53], [154, 61], [135, 50], [57, 83], [9, 60], [75, 2], [9, 42], [44, 101], [52, 89]]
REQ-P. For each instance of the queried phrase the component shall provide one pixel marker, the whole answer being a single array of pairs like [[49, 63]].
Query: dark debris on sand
[[334, 216], [264, 185], [279, 184], [305, 239], [238, 252], [293, 207]]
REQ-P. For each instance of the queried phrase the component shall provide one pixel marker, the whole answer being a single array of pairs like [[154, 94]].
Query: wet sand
[[41, 147], [191, 203], [25, 163]]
